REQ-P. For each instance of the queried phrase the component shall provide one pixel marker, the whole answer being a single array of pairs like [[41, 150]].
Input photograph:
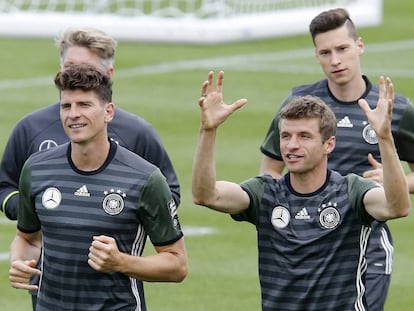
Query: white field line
[[242, 62]]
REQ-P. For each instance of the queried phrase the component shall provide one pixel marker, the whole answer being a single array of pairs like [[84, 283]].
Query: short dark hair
[[307, 107], [87, 78], [330, 20]]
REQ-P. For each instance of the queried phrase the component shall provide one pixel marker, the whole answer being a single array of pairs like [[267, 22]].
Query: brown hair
[[85, 77], [304, 107], [330, 20]]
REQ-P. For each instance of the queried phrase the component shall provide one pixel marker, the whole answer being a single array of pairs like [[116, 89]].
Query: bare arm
[[272, 167], [393, 200], [168, 265], [24, 255], [222, 196]]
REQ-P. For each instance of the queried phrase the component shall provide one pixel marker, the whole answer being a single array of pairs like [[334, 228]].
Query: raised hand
[[380, 117], [213, 110]]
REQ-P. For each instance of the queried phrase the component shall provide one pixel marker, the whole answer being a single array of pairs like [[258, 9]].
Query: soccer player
[[338, 49], [312, 224], [42, 129], [89, 206]]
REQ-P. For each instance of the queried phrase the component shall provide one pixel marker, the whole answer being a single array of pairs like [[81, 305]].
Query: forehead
[[79, 54], [76, 96], [308, 125], [333, 38]]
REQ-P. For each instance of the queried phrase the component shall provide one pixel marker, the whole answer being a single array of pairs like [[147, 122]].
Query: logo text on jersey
[[345, 122], [302, 214], [82, 192]]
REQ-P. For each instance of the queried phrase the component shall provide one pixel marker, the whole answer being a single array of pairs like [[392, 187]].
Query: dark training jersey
[[311, 246], [43, 129], [355, 139], [127, 199]]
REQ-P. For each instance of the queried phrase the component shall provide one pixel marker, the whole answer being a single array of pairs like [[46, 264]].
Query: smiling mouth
[[76, 126]]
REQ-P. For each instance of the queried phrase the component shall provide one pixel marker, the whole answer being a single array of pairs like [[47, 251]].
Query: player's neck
[[348, 92], [90, 156], [310, 181]]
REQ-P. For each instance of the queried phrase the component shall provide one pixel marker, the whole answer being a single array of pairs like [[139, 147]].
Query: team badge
[[280, 217], [51, 198], [113, 202], [369, 135], [329, 216]]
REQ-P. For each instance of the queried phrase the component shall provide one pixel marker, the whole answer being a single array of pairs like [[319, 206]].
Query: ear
[[330, 144], [360, 45], [110, 72], [109, 112]]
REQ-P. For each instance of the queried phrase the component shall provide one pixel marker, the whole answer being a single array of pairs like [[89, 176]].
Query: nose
[[292, 143], [73, 112], [335, 59]]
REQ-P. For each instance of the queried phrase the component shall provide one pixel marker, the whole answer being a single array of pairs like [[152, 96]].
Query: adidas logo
[[345, 122], [302, 214], [82, 192]]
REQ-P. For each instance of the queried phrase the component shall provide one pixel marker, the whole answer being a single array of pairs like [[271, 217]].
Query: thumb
[[31, 263], [364, 105], [373, 162], [239, 103]]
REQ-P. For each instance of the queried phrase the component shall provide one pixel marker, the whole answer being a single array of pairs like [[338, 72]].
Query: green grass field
[[162, 84]]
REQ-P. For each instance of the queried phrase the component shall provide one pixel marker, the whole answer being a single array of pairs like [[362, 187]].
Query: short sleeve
[[158, 212]]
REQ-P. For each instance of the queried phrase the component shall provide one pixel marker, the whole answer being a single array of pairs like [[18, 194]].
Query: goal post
[[177, 21]]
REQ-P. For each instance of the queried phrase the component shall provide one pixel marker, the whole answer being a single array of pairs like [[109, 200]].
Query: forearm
[[22, 249], [168, 265], [395, 181], [204, 169]]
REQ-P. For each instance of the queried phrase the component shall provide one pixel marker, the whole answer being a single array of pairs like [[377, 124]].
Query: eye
[[305, 136], [64, 106]]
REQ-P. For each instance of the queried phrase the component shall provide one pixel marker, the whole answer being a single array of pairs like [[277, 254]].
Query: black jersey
[[311, 246], [42, 130], [127, 199], [355, 139]]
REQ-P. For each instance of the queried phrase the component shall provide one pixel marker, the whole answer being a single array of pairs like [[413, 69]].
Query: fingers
[[220, 79], [374, 163], [386, 89], [207, 86], [390, 95], [239, 103], [364, 105], [20, 273]]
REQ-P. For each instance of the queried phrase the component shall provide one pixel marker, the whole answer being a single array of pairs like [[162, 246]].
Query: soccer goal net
[[188, 21]]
